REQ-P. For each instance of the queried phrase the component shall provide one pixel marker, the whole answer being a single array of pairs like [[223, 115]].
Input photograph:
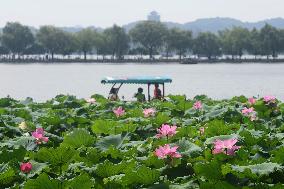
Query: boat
[[148, 80]]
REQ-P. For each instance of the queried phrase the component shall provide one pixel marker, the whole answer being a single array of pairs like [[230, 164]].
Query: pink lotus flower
[[119, 111], [166, 131], [149, 112], [202, 130], [91, 100], [247, 111], [197, 105], [227, 147], [166, 151], [251, 101], [38, 134], [26, 167], [269, 99]]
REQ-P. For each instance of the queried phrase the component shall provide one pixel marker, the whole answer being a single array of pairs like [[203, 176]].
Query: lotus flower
[[166, 131], [269, 99], [251, 101], [23, 126], [26, 167], [119, 111], [91, 100], [149, 112], [38, 134], [227, 147], [247, 111], [201, 130], [166, 151], [197, 105]]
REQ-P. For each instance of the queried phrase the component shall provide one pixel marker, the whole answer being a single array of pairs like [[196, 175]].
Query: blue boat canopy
[[137, 80]]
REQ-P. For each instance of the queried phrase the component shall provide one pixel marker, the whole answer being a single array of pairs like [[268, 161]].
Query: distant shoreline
[[143, 61]]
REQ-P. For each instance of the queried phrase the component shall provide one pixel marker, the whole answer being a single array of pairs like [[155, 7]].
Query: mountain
[[199, 25], [217, 24], [75, 29]]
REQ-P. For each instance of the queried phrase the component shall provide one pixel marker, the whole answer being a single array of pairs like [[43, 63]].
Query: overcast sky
[[104, 13]]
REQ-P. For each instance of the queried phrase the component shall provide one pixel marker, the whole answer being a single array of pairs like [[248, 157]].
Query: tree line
[[146, 38]]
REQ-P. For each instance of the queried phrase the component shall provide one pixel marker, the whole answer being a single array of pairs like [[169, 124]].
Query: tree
[[207, 44], [86, 39], [67, 43], [50, 38], [178, 40], [117, 40], [17, 38], [235, 41], [103, 46], [36, 48], [270, 40], [254, 47], [149, 34]]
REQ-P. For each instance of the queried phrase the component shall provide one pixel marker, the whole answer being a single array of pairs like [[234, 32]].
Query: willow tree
[[50, 38], [207, 44], [270, 40], [179, 40], [86, 40], [117, 41], [17, 38], [235, 41], [149, 34]]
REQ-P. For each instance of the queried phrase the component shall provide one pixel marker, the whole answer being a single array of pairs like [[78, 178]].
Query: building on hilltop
[[154, 16]]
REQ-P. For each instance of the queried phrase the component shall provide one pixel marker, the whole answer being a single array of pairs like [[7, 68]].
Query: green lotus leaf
[[37, 168], [80, 182], [104, 127], [56, 157], [259, 169], [188, 148], [7, 175], [115, 141], [143, 175], [14, 154], [78, 138], [43, 182]]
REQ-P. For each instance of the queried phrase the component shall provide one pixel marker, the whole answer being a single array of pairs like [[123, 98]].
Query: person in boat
[[139, 95], [157, 92], [113, 95]]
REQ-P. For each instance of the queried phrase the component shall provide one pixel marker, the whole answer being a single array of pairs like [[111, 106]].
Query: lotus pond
[[70, 143]]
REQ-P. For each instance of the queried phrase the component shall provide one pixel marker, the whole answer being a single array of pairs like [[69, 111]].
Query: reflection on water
[[44, 81]]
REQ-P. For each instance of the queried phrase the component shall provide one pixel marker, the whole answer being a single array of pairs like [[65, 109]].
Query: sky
[[105, 13]]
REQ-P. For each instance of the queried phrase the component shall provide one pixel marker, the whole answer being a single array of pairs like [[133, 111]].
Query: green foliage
[[78, 138], [80, 182], [89, 147], [115, 141], [188, 148], [43, 182], [57, 157], [15, 154], [207, 44], [7, 174], [16, 37], [149, 34], [117, 40], [259, 169]]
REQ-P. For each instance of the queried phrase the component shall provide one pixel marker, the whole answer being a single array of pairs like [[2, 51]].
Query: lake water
[[45, 81]]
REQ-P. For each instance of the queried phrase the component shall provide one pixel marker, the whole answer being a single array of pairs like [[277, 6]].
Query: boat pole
[[148, 91]]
